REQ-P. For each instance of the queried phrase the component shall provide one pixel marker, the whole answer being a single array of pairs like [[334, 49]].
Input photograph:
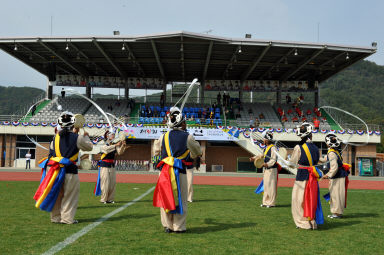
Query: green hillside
[[359, 90], [13, 98]]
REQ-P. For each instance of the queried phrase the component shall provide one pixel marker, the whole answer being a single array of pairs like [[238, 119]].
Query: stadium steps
[[38, 108], [332, 123]]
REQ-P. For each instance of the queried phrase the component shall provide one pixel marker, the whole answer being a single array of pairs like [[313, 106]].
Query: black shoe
[[180, 232], [168, 230]]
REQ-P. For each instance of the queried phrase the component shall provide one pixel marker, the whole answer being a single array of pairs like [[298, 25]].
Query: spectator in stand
[[162, 100], [62, 93], [155, 113], [117, 103], [304, 119], [214, 105], [257, 123], [316, 123], [149, 112], [284, 119], [318, 114], [33, 110], [132, 103], [143, 112], [165, 119], [290, 111], [288, 99], [261, 116], [301, 98], [199, 113], [309, 112], [219, 98], [251, 123], [295, 119]]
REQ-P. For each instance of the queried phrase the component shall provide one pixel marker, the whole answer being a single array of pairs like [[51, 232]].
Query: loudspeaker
[[51, 70]]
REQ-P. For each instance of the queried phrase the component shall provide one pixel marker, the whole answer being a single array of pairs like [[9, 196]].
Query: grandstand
[[240, 67]]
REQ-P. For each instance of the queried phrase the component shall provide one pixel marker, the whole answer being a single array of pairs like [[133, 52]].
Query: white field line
[[88, 228]]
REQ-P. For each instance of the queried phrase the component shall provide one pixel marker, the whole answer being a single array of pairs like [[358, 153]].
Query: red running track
[[205, 180]]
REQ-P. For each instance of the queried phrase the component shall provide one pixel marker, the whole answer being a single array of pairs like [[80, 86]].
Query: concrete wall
[[224, 155], [41, 153]]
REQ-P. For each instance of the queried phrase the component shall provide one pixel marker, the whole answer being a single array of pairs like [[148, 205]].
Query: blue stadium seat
[[217, 115], [162, 114], [141, 120], [197, 121], [188, 115], [158, 108], [146, 120], [186, 109], [217, 110], [207, 121]]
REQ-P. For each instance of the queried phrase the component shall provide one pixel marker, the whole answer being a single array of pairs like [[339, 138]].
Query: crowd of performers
[[306, 205], [179, 154]]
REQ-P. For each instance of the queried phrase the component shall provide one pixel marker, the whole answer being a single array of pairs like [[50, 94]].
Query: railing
[[10, 118]]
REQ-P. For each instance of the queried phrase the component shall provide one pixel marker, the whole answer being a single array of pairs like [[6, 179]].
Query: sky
[[349, 22]]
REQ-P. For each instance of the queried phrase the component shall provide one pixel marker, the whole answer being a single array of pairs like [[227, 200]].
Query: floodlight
[[296, 53], [347, 57], [67, 47]]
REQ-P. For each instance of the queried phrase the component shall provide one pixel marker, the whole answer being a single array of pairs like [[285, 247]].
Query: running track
[[205, 180]]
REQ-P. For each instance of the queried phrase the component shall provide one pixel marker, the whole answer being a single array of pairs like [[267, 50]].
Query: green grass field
[[221, 220]]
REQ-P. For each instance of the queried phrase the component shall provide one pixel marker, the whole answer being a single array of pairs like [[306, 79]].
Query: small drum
[[85, 164], [79, 121], [283, 153], [259, 161]]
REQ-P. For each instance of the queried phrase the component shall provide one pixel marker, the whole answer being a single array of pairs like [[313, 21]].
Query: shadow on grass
[[121, 217], [214, 200], [337, 223], [360, 215], [286, 205], [218, 226]]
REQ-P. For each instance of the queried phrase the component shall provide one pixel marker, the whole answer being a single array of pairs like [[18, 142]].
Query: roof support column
[[50, 85], [278, 94], [317, 96], [202, 86], [88, 89], [126, 90]]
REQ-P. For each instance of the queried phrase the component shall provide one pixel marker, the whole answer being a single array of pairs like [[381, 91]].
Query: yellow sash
[[58, 153], [267, 149], [335, 151], [306, 150], [170, 161]]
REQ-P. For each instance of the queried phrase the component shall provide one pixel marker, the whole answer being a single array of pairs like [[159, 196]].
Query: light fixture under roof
[[347, 57], [240, 49], [296, 53], [123, 48], [15, 49], [67, 47]]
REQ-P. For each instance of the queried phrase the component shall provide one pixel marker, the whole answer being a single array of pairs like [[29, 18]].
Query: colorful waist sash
[[49, 188]]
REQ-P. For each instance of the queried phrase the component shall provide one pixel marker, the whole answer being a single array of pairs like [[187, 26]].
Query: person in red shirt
[[290, 111], [295, 119], [309, 112], [316, 123]]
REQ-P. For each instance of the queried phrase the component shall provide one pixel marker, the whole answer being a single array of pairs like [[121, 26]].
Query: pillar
[[126, 90], [202, 87], [317, 93], [278, 94], [88, 89], [49, 93]]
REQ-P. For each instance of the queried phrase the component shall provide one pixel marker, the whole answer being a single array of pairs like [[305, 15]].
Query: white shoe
[[190, 201]]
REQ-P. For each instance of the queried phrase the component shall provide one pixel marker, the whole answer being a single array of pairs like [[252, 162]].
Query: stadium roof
[[182, 56]]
